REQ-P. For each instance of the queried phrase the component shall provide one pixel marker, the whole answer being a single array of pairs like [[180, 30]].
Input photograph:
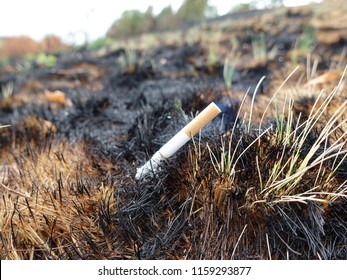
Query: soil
[[120, 113]]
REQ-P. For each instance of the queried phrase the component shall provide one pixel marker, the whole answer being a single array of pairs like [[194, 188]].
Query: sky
[[80, 21]]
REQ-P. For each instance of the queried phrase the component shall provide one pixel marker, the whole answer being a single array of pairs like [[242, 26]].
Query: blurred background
[[32, 26]]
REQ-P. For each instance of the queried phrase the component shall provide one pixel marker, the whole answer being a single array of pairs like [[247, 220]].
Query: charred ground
[[78, 131]]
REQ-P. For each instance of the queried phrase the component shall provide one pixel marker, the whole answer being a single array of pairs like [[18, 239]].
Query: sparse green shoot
[[131, 60], [229, 68], [212, 59], [7, 91]]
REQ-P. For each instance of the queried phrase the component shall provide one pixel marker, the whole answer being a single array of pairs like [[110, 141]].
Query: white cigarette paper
[[181, 138]]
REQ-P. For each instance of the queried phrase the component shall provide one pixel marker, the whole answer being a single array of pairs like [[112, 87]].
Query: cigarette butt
[[201, 120], [181, 138], [150, 165]]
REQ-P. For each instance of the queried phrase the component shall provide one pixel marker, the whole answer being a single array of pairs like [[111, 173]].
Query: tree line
[[135, 22]]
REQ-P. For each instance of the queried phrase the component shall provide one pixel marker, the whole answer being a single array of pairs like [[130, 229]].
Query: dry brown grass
[[54, 206]]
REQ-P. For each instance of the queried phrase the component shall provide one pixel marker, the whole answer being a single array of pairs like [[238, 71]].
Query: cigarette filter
[[181, 138]]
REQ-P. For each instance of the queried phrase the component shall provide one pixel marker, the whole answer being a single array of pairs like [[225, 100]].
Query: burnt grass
[[79, 130]]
